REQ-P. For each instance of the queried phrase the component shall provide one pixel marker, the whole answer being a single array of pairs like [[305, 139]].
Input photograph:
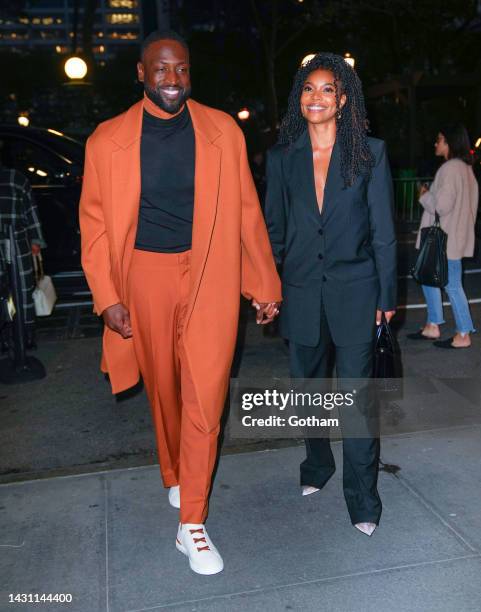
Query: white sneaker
[[174, 496], [367, 528], [193, 541]]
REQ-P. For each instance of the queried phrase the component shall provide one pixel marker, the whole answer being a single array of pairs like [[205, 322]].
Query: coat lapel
[[125, 177], [207, 183]]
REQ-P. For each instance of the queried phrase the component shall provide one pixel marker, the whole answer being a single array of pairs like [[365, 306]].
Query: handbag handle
[[384, 325], [38, 266]]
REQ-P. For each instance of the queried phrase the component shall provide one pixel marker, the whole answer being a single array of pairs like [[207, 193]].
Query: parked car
[[53, 163]]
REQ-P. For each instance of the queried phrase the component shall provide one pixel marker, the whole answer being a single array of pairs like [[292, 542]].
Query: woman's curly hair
[[356, 157]]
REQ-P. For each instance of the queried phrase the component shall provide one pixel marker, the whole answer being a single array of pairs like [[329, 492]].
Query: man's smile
[[171, 92]]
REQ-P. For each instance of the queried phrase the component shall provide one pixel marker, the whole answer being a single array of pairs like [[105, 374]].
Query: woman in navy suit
[[329, 212]]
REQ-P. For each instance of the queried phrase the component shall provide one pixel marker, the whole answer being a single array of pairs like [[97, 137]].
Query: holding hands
[[269, 310]]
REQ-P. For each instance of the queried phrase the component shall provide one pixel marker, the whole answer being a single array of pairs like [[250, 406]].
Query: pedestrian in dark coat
[[18, 209]]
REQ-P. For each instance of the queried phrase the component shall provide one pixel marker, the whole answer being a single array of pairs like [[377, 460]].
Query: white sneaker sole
[[198, 570], [175, 503]]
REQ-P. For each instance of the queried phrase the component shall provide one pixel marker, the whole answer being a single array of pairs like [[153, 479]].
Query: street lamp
[[243, 114], [349, 59], [23, 120], [75, 68], [308, 58]]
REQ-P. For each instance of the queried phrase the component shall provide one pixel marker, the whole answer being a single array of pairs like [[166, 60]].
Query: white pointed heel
[[367, 528], [307, 490]]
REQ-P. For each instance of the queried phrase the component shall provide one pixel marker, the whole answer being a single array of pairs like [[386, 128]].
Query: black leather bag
[[431, 267], [384, 352]]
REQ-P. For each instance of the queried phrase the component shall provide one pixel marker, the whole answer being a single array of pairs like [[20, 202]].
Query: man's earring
[[339, 114]]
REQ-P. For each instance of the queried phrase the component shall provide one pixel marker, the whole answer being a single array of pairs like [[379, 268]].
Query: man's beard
[[169, 106]]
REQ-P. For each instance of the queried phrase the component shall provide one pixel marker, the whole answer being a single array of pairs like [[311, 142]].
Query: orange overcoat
[[231, 253]]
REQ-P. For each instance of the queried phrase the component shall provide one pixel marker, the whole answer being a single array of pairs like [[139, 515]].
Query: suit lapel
[[305, 177], [334, 182], [207, 183]]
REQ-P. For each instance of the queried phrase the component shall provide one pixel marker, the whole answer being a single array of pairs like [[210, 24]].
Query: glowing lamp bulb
[[350, 60], [243, 114], [308, 58], [75, 68]]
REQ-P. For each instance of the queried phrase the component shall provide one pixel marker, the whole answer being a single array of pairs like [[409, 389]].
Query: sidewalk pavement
[[108, 538]]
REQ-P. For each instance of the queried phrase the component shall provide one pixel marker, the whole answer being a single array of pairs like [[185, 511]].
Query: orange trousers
[[158, 290]]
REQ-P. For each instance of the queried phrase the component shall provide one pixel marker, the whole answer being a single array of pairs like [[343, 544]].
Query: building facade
[[57, 25]]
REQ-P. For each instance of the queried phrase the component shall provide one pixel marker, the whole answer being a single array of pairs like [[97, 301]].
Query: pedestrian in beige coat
[[454, 197]]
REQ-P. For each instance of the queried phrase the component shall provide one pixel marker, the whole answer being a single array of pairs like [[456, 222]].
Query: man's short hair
[[162, 35]]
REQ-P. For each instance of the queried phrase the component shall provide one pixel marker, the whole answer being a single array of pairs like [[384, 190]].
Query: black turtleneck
[[167, 163]]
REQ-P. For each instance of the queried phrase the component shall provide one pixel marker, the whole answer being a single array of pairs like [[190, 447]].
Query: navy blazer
[[344, 256]]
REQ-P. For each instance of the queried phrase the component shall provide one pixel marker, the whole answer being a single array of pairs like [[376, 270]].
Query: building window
[[121, 18], [124, 35], [125, 4]]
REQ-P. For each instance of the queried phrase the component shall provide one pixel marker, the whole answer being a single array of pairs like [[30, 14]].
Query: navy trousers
[[360, 454]]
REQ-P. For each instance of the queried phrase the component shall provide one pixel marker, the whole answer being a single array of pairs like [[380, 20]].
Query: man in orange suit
[[172, 233]]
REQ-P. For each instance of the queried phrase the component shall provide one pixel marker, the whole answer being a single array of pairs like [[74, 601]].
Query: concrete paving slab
[[446, 586], [52, 540], [443, 469]]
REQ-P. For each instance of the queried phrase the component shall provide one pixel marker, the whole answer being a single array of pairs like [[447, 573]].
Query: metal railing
[[406, 190]]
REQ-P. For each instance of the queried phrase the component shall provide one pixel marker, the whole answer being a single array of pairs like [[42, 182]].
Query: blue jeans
[[457, 297]]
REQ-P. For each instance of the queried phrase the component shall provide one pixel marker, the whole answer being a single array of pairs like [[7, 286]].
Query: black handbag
[[431, 267], [384, 352]]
